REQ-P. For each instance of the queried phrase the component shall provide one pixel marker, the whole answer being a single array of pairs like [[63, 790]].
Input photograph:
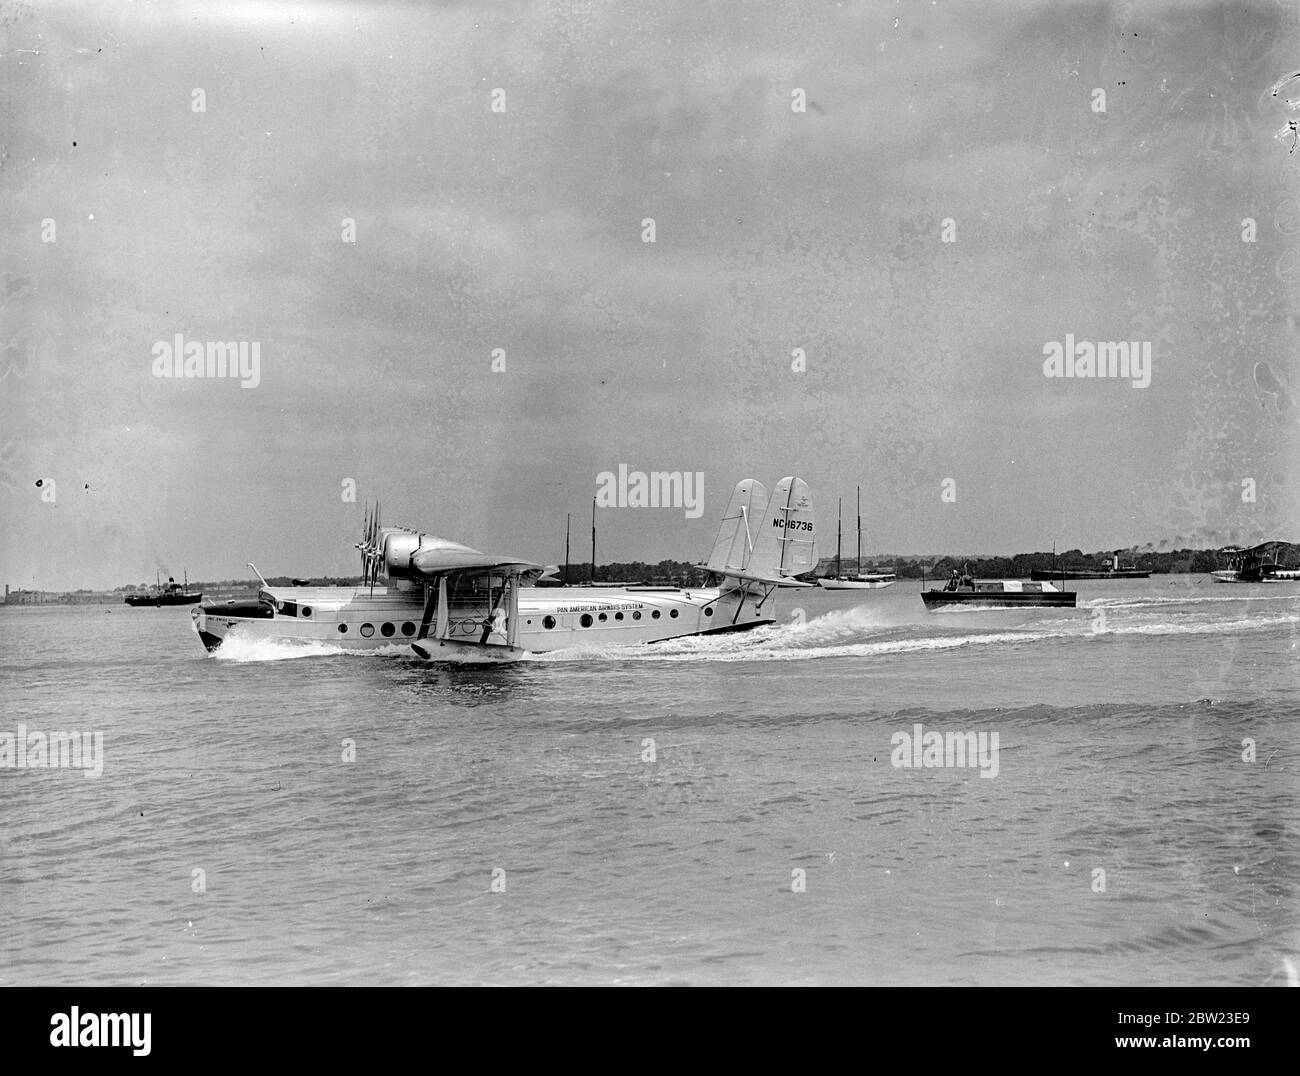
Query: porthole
[[655, 615], [548, 622], [603, 618], [636, 615], [306, 610], [618, 616], [408, 629], [367, 630], [386, 630], [585, 620], [343, 629], [672, 613], [708, 611]]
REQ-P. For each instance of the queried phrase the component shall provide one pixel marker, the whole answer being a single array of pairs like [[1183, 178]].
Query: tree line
[[685, 574]]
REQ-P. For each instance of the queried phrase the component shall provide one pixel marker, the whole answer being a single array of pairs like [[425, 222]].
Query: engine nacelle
[[398, 547]]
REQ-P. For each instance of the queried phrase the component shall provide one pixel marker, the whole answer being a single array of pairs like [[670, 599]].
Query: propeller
[[372, 555]]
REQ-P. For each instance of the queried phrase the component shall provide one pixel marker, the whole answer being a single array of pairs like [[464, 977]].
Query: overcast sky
[[775, 229]]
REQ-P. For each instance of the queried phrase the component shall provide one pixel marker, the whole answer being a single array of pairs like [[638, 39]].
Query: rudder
[[786, 544], [738, 530]]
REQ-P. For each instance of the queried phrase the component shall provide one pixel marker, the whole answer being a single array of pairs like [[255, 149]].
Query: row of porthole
[[386, 630], [549, 622]]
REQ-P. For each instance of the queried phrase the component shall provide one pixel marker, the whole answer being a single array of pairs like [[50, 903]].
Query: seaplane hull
[[447, 602], [550, 619], [600, 617], [350, 618]]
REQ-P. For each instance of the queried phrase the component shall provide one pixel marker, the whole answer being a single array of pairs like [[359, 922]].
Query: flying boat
[[449, 602], [1259, 564]]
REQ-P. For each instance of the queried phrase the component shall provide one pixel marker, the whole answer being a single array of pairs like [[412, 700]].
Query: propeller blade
[[361, 545]]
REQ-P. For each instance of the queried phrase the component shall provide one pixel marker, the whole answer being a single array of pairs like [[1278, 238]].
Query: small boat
[[171, 594], [1113, 570], [1259, 564], [859, 580], [1001, 593]]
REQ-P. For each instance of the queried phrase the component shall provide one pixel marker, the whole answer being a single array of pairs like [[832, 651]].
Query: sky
[[869, 220]]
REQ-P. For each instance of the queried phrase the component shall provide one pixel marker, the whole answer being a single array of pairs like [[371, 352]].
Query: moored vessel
[[1113, 570], [857, 580], [1258, 564], [173, 593]]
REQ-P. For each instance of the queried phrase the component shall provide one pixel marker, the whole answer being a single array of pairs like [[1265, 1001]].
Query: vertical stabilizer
[[786, 542], [739, 528]]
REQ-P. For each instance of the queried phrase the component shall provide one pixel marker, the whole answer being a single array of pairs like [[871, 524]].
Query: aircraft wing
[[451, 557]]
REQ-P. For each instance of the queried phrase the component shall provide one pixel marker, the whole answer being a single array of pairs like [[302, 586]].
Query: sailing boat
[[859, 580]]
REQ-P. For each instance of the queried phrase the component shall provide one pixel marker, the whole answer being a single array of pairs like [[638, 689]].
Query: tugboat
[[171, 594], [859, 580], [1113, 570], [965, 590]]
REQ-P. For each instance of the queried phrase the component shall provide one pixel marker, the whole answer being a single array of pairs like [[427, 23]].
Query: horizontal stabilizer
[[770, 580]]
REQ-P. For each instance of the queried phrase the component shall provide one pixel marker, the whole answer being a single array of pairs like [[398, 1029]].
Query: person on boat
[[953, 581]]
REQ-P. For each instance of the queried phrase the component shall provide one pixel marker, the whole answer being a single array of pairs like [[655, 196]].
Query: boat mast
[[566, 548], [859, 570], [593, 541], [839, 526]]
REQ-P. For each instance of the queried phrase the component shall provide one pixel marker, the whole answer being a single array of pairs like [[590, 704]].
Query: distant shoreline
[[681, 573]]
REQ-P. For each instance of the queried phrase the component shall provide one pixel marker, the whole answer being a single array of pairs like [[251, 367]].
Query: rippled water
[[1120, 736]]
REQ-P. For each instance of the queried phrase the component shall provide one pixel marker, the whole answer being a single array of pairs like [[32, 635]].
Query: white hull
[[550, 618], [447, 602], [1285, 576], [859, 580], [854, 584]]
